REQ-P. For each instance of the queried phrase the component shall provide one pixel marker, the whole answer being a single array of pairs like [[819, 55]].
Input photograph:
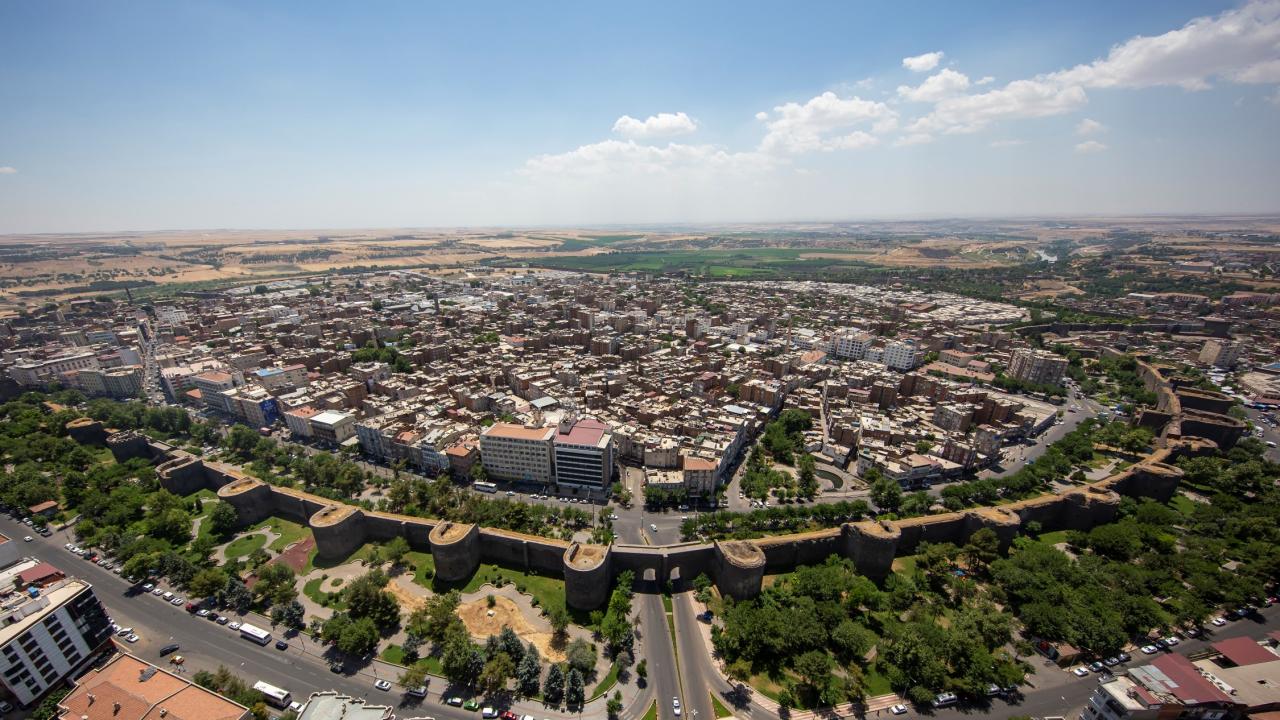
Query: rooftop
[[127, 688], [584, 432], [332, 706], [1244, 651], [512, 431]]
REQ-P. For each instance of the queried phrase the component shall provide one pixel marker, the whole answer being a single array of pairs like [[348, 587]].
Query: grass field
[[745, 262], [244, 546], [547, 591], [652, 713], [606, 684], [290, 532]]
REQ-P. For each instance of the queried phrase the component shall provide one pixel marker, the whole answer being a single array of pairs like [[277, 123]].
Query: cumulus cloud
[[826, 122], [984, 80], [1089, 126], [1007, 143], [1018, 99], [922, 63], [946, 83], [612, 157], [660, 125], [913, 139], [1090, 146], [1241, 45], [8, 170]]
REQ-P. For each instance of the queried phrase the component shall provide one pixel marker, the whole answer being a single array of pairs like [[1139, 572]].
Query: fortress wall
[[127, 445], [587, 575], [339, 531], [786, 552], [945, 528], [252, 500], [182, 474], [87, 431], [455, 547], [739, 568]]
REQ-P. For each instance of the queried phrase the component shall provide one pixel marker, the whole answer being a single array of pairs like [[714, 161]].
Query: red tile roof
[[1244, 651]]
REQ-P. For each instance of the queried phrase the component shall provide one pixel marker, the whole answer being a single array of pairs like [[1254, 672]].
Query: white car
[[234, 626], [1081, 671], [898, 709], [675, 706], [488, 712], [133, 638], [26, 539], [1150, 649], [1171, 640], [1218, 622], [382, 684]]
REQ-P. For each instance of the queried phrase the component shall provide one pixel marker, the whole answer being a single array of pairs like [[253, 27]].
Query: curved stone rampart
[[338, 531], [872, 545], [251, 498], [182, 474], [127, 445], [739, 568], [587, 575], [455, 547], [87, 431]]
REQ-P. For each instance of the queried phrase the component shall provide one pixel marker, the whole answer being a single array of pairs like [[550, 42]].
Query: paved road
[[664, 682]]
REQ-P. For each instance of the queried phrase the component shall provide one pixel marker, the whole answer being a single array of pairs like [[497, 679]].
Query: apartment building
[[850, 345], [1039, 367], [35, 373], [902, 355], [1239, 678], [127, 688], [212, 384], [1221, 353], [254, 405], [47, 633], [518, 453], [333, 427], [584, 453], [277, 378]]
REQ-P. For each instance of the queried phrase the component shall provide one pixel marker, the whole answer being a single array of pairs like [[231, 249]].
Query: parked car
[[282, 645], [1150, 649], [1096, 666], [454, 701], [1218, 622], [133, 638], [234, 626], [1080, 671], [946, 699], [170, 648], [898, 709], [380, 684]]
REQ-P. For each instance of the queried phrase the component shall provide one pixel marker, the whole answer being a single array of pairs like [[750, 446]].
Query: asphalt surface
[[660, 656]]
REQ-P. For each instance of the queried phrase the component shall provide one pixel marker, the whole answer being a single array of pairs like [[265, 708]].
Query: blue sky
[[145, 115]]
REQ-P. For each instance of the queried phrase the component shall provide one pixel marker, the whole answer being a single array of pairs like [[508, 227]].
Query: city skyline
[[201, 115]]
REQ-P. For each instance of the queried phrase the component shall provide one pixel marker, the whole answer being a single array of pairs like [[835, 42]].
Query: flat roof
[[329, 417], [53, 597], [583, 432], [127, 688], [517, 432], [1244, 651]]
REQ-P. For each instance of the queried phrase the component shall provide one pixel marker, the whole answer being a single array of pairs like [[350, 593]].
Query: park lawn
[[1183, 504], [720, 710], [606, 684], [393, 654], [312, 590], [289, 532], [244, 546], [874, 683], [361, 554], [1053, 538], [905, 565], [652, 713], [421, 563]]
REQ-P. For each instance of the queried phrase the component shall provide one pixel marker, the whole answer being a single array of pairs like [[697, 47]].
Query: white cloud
[[820, 124], [984, 80], [1007, 143], [762, 116], [1090, 146], [611, 157], [913, 139], [946, 83], [1089, 126], [660, 125], [1240, 45], [8, 170], [922, 63], [1018, 99]]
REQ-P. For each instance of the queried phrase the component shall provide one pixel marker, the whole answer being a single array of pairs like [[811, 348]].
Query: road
[[660, 656]]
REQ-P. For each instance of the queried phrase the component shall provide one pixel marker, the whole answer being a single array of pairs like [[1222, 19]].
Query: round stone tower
[[739, 568], [587, 575], [455, 547]]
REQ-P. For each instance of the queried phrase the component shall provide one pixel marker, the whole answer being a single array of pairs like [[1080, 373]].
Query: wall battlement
[[737, 567]]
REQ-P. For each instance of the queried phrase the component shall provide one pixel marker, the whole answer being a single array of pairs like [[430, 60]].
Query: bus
[[254, 633], [272, 694], [485, 487]]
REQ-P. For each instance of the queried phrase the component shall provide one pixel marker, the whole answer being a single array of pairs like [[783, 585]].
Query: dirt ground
[[483, 621]]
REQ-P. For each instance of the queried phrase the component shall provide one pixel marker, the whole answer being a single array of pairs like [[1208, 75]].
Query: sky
[[166, 115]]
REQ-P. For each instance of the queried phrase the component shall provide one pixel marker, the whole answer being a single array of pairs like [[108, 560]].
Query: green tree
[[290, 614], [366, 599], [222, 518], [529, 673], [206, 583], [498, 668], [581, 656], [276, 584], [574, 690], [886, 493], [553, 686], [396, 549]]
